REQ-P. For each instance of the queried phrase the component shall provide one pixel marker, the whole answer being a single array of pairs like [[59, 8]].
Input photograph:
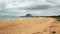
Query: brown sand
[[30, 26]]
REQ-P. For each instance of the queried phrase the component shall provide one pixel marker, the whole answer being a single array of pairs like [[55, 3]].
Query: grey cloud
[[58, 6], [30, 8], [50, 1], [38, 7]]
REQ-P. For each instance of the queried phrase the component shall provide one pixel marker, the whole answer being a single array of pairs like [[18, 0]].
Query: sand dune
[[30, 26]]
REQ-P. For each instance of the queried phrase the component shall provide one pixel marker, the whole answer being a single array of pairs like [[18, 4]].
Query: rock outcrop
[[28, 15]]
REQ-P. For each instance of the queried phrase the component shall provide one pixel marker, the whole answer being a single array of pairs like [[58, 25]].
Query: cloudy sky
[[35, 7]]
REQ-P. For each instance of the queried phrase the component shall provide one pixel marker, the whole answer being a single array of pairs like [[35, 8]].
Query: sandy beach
[[39, 25]]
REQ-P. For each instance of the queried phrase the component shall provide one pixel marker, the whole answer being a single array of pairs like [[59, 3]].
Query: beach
[[40, 25]]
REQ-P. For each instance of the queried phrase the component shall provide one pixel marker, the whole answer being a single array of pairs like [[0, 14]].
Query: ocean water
[[8, 17], [13, 17]]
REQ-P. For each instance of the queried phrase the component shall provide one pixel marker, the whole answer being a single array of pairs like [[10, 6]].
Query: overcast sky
[[35, 7]]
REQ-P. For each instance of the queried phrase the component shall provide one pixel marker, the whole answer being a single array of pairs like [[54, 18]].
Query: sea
[[14, 17], [8, 17]]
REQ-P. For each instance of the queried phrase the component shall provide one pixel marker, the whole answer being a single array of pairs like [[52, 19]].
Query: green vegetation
[[57, 17]]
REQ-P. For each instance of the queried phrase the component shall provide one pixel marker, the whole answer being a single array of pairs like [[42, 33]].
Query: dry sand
[[30, 26]]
